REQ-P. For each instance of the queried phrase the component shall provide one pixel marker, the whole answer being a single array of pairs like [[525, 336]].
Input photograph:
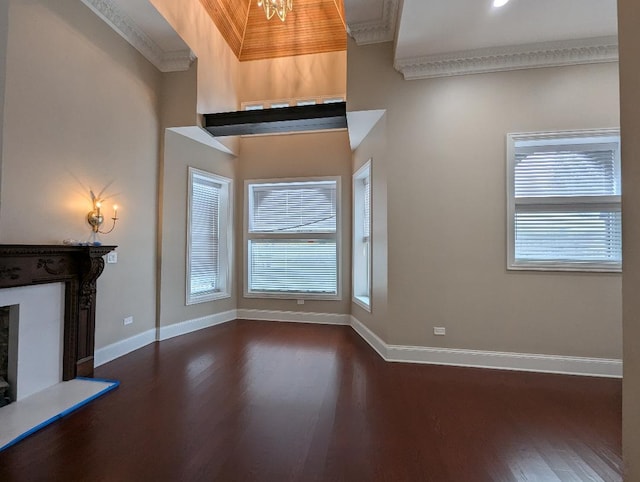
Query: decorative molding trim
[[295, 317], [189, 326], [499, 59], [173, 61], [566, 365], [377, 31], [123, 347], [176, 60]]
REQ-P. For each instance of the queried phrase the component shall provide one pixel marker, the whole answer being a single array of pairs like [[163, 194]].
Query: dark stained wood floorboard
[[261, 401]]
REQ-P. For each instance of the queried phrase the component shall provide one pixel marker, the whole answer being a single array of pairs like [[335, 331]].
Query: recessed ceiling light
[[500, 3]]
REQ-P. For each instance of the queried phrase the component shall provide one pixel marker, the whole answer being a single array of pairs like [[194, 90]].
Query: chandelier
[[272, 7]]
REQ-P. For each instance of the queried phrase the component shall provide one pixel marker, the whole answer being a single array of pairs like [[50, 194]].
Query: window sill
[[569, 268], [206, 298], [363, 302], [293, 296]]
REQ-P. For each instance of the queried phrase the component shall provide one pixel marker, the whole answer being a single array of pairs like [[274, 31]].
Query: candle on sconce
[[95, 219]]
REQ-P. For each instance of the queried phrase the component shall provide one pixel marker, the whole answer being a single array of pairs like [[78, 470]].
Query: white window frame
[[578, 137], [362, 249], [337, 236], [225, 237]]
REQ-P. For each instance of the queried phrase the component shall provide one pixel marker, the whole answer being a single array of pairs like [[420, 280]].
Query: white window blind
[[296, 266], [366, 215], [361, 265], [207, 263], [294, 207], [292, 245], [565, 198], [205, 231]]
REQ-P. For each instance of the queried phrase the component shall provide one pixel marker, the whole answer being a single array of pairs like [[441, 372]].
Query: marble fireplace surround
[[78, 267]]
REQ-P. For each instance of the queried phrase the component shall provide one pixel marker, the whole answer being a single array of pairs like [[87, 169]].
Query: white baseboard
[[370, 337], [295, 317], [189, 326], [567, 365], [121, 348]]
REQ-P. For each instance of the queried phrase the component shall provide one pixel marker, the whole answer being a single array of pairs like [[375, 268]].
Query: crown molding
[[499, 59], [176, 61], [164, 61], [377, 31]]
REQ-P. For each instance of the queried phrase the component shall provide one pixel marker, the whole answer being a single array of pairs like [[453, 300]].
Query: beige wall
[[291, 156], [82, 110], [374, 147], [4, 19], [217, 64], [629, 35], [447, 208], [180, 154], [299, 77], [179, 98]]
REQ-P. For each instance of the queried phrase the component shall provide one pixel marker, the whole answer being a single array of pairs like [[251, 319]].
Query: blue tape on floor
[[114, 384]]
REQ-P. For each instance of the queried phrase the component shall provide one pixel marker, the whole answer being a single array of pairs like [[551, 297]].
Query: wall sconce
[[95, 218]]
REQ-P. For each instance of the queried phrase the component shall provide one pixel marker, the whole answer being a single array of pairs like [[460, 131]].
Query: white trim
[[358, 202], [370, 337], [579, 137], [123, 25], [295, 317], [499, 59], [337, 235], [359, 300], [566, 365], [379, 30], [123, 347], [189, 326], [225, 237]]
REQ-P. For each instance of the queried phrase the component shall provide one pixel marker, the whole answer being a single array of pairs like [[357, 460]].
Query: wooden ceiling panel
[[230, 16], [313, 26]]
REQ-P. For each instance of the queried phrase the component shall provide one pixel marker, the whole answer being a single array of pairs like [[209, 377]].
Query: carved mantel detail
[[78, 267], [48, 265], [9, 273], [92, 269]]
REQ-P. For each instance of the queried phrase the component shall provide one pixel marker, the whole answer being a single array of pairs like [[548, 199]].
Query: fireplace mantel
[[76, 266]]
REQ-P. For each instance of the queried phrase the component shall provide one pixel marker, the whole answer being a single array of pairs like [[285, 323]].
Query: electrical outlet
[[301, 302], [439, 330], [128, 320], [112, 257]]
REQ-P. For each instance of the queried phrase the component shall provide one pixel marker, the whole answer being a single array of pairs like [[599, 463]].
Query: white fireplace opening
[[36, 337]]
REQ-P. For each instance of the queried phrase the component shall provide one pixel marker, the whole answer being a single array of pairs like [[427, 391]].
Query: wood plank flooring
[[262, 401]]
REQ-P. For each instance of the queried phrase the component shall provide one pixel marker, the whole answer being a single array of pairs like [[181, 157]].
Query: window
[[292, 238], [564, 201], [362, 236], [208, 237]]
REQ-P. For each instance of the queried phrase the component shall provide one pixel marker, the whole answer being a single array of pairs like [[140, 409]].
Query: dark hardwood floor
[[261, 401]]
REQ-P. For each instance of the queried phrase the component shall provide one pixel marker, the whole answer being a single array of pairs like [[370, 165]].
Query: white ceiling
[[429, 27]]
